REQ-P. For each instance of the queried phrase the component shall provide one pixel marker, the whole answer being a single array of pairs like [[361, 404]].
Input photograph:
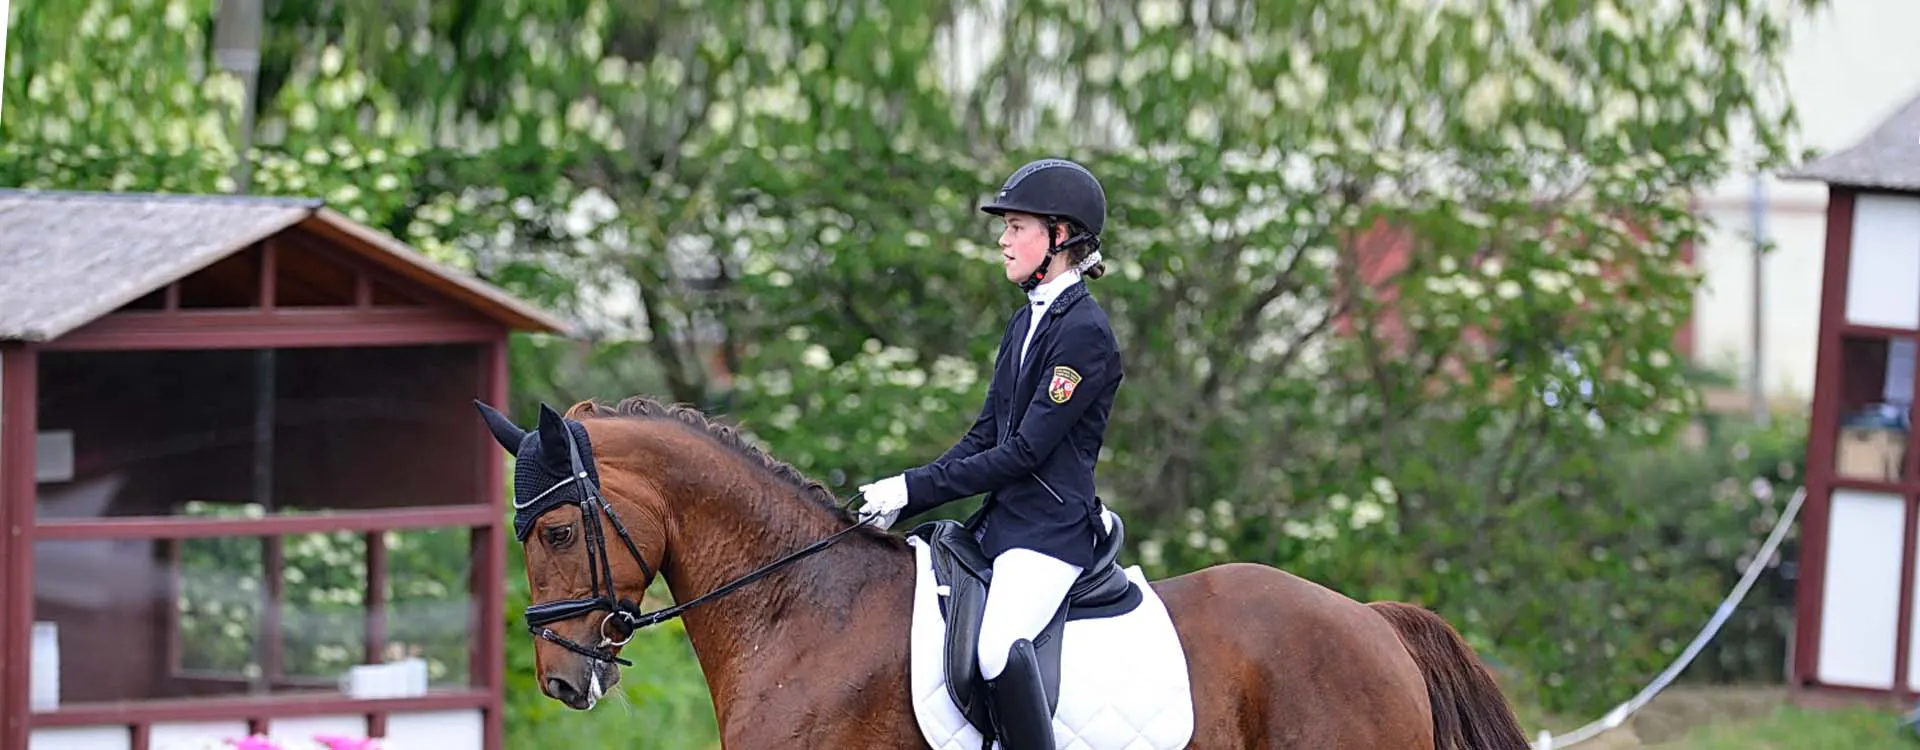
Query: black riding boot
[[1019, 702]]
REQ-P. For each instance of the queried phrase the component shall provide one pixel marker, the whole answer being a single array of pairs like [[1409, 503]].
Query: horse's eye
[[559, 535]]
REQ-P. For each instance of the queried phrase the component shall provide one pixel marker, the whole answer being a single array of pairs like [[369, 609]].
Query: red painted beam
[[282, 328], [19, 423], [272, 642], [490, 576], [374, 599], [9, 664], [269, 256], [1823, 431], [466, 516], [1903, 622], [375, 602]]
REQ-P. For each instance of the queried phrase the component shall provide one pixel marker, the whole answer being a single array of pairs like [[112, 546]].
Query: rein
[[632, 619]]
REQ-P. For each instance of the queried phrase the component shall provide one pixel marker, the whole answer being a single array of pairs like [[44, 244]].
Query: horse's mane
[[726, 435]]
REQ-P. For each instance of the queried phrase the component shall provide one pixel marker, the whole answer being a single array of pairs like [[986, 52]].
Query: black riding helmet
[[1054, 189]]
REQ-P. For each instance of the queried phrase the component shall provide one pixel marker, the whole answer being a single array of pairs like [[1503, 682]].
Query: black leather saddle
[[1103, 590]]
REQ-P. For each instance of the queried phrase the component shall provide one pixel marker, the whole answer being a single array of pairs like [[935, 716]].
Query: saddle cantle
[[964, 572]]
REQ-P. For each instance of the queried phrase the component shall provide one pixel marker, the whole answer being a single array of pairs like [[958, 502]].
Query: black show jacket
[[1038, 436]]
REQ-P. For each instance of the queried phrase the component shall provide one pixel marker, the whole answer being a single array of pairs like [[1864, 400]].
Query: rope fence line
[[1620, 713]]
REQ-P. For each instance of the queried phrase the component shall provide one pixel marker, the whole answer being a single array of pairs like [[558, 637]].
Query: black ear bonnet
[[542, 464]]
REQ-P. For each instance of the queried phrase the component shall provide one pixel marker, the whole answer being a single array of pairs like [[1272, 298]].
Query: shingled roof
[[67, 258], [1888, 158]]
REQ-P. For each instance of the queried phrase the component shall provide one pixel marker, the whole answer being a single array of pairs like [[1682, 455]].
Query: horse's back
[[1275, 655]]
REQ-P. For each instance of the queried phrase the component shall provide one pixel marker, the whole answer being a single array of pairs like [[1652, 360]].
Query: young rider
[[1034, 445]]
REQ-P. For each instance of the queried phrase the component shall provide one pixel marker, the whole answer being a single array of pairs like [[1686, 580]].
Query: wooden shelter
[[243, 487], [1855, 604]]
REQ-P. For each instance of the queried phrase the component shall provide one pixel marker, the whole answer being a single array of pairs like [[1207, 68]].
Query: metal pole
[[1756, 378], [236, 48]]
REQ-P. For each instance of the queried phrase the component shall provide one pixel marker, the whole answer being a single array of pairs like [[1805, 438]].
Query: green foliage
[[1579, 592], [661, 702], [322, 621], [137, 119]]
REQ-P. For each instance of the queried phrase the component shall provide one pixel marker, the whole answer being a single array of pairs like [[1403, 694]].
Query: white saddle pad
[[1123, 680]]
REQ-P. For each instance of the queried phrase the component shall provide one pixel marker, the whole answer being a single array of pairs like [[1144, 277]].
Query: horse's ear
[[553, 439], [503, 428]]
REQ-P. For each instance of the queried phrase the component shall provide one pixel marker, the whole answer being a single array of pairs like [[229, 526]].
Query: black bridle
[[624, 613]]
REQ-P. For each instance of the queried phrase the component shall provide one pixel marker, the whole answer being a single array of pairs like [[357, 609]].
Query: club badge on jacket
[[1064, 381]]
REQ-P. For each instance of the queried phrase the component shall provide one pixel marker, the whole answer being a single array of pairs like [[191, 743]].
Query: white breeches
[[1026, 592]]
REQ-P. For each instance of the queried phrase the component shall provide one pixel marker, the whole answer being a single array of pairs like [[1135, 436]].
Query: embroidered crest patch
[[1064, 381]]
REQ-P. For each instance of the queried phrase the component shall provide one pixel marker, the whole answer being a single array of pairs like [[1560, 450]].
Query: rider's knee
[[993, 656]]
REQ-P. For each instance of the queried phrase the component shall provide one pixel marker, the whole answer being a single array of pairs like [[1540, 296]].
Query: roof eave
[[486, 299], [78, 317], [1848, 181]]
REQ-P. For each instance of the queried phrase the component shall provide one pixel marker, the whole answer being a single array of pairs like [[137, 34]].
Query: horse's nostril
[[563, 690]]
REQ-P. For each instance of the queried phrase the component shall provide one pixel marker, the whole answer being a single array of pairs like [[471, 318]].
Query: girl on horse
[[1033, 447]]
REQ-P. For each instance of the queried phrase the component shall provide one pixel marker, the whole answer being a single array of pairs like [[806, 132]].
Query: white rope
[[1619, 714]]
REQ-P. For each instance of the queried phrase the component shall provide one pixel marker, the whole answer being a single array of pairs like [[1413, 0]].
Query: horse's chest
[[828, 706]]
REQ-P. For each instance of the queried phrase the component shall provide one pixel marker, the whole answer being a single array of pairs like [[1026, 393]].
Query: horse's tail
[[1469, 713]]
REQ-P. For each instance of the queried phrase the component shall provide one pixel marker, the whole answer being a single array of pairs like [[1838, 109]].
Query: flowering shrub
[[1579, 592]]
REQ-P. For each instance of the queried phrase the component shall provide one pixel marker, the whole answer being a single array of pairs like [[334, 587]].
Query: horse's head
[[587, 565]]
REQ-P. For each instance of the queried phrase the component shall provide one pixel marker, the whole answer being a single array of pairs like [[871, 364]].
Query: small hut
[[242, 484], [1855, 625]]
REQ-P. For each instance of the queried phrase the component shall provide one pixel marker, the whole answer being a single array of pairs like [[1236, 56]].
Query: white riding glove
[[885, 499]]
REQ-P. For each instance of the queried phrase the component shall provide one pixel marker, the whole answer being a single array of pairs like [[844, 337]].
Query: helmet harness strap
[[1054, 247]]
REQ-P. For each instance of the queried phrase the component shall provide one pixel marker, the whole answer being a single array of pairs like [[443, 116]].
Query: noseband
[[625, 615]]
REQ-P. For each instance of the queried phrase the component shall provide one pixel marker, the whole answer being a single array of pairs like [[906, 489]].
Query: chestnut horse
[[799, 614]]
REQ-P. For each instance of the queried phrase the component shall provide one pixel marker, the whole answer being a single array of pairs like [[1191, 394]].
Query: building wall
[[1850, 68]]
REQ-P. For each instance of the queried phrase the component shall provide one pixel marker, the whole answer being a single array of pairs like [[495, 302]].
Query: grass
[[1725, 718], [1789, 727]]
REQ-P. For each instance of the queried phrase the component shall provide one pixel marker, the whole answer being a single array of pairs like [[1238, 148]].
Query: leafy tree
[[138, 119]]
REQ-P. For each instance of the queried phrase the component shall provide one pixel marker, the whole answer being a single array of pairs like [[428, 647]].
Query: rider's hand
[[885, 499]]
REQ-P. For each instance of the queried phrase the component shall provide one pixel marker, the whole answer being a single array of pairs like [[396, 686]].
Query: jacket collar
[[1067, 296], [1050, 290]]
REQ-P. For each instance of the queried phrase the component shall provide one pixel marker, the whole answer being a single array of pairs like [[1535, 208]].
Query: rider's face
[[1023, 245]]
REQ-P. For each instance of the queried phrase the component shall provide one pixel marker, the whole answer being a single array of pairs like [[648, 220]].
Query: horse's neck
[[729, 523]]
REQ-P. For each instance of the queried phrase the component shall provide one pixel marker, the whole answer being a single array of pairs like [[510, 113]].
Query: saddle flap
[[960, 567], [965, 571], [1124, 683]]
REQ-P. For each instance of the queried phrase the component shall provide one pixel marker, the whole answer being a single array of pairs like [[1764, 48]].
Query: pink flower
[[256, 742], [348, 743]]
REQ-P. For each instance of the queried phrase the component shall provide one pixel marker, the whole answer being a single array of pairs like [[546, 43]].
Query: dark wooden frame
[[442, 319], [1822, 479]]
